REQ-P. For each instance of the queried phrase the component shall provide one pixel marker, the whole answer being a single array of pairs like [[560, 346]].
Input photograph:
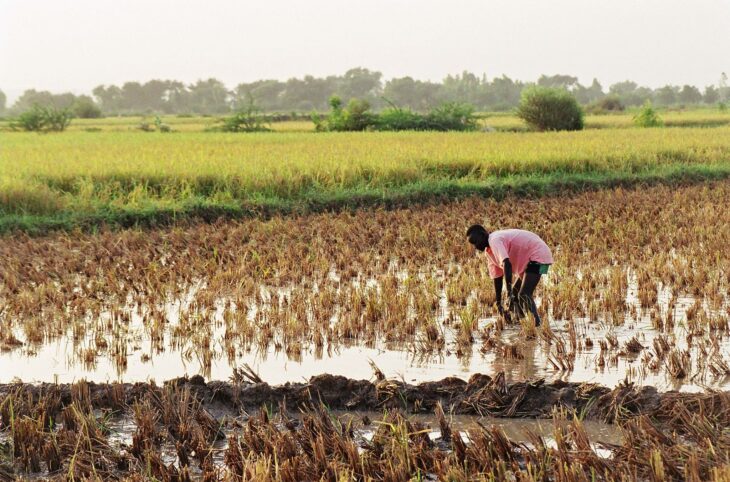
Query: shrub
[[395, 119], [452, 116], [246, 119], [161, 126], [145, 126], [648, 116], [355, 117], [42, 119], [550, 109], [446, 117]]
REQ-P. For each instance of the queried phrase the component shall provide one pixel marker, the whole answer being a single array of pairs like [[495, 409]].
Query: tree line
[[307, 94]]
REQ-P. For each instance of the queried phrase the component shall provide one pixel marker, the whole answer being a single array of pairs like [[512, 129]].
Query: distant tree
[[630, 93], [154, 94], [3, 101], [586, 95], [209, 97], [711, 95], [723, 89], [132, 98], [177, 98], [666, 95], [108, 98], [266, 93], [565, 82], [689, 95], [504, 93], [32, 98], [467, 88], [360, 83], [84, 107], [415, 94]]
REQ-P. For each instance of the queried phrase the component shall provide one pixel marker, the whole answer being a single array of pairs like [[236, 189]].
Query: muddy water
[[62, 360], [366, 423]]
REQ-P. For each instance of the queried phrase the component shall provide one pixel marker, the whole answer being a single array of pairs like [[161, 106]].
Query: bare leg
[[517, 308], [527, 302]]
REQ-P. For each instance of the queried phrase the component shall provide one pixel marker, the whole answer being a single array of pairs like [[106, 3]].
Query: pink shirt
[[520, 247]]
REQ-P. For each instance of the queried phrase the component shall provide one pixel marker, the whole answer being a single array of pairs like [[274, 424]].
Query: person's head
[[478, 236]]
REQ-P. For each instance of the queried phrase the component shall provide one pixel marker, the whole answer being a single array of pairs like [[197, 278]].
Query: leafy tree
[[467, 88], [723, 89], [565, 82], [360, 83], [586, 95], [267, 94], [415, 94], [689, 95], [109, 98], [3, 101], [505, 92], [667, 95], [209, 97], [550, 109], [630, 93], [711, 95], [85, 108]]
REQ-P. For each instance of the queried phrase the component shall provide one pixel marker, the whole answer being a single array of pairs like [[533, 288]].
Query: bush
[[549, 109], [395, 119], [355, 117], [648, 116], [246, 119], [452, 116], [161, 126], [42, 119]]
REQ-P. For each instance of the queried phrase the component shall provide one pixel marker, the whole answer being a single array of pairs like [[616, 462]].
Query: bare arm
[[498, 290], [508, 273]]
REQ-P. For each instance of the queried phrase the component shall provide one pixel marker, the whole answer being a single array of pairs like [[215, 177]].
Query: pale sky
[[74, 45]]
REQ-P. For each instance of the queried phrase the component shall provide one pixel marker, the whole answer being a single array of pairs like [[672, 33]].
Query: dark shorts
[[537, 268]]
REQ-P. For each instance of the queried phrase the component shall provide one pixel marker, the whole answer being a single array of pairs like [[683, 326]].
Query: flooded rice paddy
[[639, 292], [278, 326], [605, 359]]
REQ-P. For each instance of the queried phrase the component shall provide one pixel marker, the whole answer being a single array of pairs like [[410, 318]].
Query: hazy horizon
[[78, 45]]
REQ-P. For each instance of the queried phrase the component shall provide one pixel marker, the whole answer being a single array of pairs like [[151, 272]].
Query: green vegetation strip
[[199, 208]]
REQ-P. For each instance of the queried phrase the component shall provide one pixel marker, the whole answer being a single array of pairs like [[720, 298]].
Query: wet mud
[[246, 429], [481, 395]]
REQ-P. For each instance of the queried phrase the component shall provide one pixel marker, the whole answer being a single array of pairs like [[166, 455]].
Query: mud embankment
[[480, 395]]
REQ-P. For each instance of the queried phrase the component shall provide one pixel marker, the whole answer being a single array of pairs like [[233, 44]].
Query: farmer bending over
[[513, 252]]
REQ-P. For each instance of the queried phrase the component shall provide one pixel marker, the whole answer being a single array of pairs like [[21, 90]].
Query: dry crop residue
[[188, 429], [640, 275]]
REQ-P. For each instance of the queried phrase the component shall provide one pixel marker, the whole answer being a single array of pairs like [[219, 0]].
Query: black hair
[[476, 228], [478, 236]]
